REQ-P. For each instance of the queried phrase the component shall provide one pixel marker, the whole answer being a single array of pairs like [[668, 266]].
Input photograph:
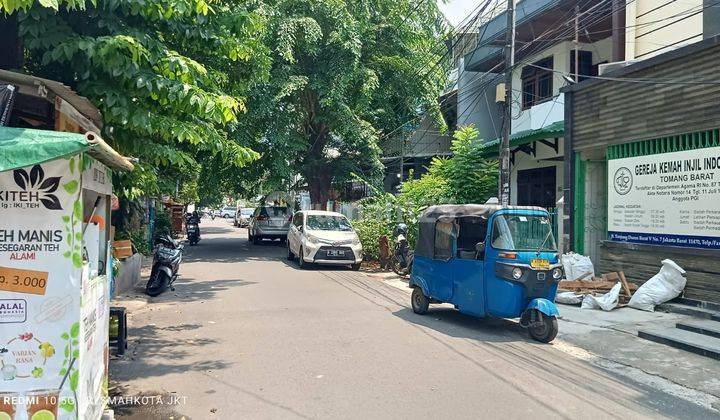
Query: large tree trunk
[[316, 170], [319, 185]]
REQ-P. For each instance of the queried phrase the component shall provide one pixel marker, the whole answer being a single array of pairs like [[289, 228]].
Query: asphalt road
[[246, 334]]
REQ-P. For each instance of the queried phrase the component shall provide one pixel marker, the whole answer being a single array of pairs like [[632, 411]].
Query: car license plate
[[336, 253], [540, 263]]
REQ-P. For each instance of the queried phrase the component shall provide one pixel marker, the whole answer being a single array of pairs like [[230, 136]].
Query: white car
[[323, 237], [228, 212]]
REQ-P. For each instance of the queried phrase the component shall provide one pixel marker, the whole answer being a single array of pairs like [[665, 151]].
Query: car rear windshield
[[320, 222], [274, 211], [247, 212]]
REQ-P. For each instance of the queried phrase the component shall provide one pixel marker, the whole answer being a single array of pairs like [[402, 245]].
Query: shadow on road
[[190, 290], [451, 322], [150, 341]]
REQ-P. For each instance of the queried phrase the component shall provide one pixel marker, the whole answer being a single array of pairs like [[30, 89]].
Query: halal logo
[[623, 181], [35, 187]]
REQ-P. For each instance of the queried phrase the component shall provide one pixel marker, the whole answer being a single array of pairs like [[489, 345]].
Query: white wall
[[476, 103], [524, 161], [654, 27], [552, 111]]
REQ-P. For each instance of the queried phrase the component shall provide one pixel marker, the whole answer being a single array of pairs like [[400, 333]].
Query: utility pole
[[577, 43], [504, 186]]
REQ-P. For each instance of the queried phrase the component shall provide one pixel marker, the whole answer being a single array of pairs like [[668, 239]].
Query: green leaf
[[76, 353], [67, 254], [77, 260], [74, 377], [71, 163], [67, 405], [78, 210], [53, 4], [71, 187], [75, 330], [66, 219], [63, 371]]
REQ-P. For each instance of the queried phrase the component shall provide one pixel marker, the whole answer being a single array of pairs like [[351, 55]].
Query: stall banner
[[666, 199], [43, 338]]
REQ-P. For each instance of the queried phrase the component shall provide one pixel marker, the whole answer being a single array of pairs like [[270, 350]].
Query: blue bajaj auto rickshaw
[[489, 260]]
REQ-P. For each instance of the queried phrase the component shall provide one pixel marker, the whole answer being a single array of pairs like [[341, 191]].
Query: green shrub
[[370, 232], [163, 224], [466, 177], [138, 237]]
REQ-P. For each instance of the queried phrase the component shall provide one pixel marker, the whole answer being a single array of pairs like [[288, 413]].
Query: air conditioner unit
[[610, 67]]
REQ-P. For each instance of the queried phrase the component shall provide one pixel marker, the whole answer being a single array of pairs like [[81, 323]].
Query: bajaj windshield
[[523, 233]]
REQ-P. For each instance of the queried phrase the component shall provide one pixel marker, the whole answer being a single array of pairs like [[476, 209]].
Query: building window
[[537, 83], [584, 63], [536, 187]]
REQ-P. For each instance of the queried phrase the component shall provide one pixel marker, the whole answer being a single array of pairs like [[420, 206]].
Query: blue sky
[[457, 10]]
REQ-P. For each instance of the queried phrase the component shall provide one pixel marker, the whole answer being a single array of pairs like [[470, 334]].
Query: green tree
[[471, 177], [171, 77], [344, 72], [464, 178]]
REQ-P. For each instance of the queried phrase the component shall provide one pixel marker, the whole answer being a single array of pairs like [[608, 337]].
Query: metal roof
[[80, 103]]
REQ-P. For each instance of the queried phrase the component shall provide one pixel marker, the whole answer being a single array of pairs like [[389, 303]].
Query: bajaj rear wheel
[[544, 331], [419, 301]]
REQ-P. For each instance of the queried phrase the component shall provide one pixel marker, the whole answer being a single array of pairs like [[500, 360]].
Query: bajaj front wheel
[[544, 331], [419, 301]]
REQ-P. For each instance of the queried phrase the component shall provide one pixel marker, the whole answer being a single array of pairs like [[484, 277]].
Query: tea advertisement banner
[[41, 266], [666, 199]]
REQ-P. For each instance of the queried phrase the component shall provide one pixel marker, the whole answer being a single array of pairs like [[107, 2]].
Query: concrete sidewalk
[[609, 340]]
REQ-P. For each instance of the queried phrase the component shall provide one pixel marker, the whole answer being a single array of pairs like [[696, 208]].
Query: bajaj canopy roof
[[425, 246], [20, 147]]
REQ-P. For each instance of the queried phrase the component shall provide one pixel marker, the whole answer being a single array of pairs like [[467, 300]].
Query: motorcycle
[[402, 260], [167, 255], [192, 229]]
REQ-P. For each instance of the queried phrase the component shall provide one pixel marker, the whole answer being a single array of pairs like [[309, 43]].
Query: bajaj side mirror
[[479, 249]]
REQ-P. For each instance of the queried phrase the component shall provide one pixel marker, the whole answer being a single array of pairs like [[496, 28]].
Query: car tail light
[[508, 255], [261, 218]]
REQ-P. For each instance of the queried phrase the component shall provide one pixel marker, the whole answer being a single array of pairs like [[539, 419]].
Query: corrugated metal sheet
[[614, 112]]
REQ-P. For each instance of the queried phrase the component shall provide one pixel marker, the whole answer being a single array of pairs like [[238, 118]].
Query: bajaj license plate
[[336, 253], [540, 263]]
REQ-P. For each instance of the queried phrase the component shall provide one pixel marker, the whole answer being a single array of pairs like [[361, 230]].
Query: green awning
[[20, 147], [556, 129]]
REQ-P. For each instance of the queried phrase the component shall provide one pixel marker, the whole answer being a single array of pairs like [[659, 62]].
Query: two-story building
[[546, 39], [642, 146]]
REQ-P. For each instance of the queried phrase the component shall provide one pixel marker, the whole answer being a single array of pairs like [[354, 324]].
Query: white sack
[[568, 298], [663, 286], [576, 265], [606, 302]]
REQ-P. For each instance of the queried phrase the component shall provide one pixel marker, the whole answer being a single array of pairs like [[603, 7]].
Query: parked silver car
[[243, 216], [269, 222]]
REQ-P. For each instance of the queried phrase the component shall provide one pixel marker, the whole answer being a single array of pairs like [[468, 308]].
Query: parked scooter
[[192, 228], [403, 256], [166, 262]]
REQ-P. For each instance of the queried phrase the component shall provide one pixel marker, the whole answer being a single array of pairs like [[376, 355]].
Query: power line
[[657, 81], [481, 89]]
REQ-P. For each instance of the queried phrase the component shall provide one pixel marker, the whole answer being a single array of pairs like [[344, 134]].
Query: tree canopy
[[343, 73], [199, 89], [170, 77]]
